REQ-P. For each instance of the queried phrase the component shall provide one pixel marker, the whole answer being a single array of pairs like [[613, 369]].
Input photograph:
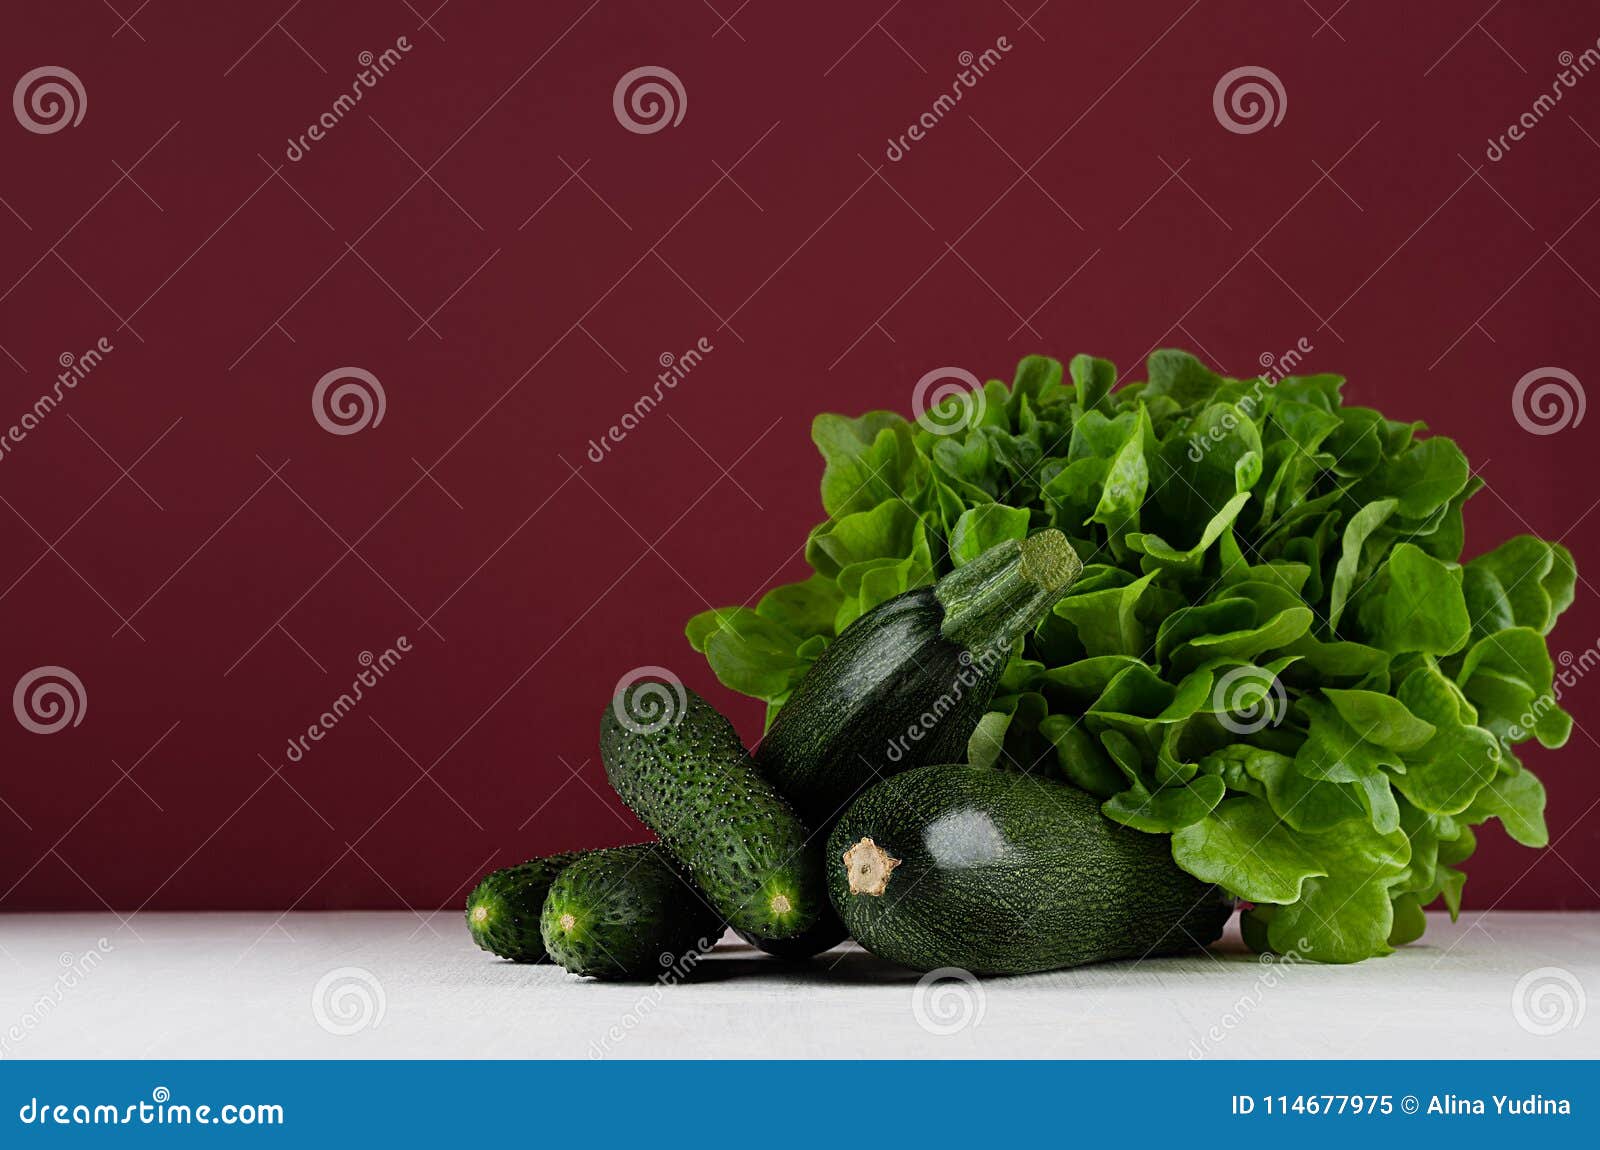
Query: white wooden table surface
[[399, 985]]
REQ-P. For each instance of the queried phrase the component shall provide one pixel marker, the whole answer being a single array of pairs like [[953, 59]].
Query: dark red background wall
[[484, 237]]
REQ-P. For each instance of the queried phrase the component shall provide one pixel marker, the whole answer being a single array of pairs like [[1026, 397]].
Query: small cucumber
[[906, 683], [625, 913], [685, 773], [827, 934], [503, 909], [1000, 873]]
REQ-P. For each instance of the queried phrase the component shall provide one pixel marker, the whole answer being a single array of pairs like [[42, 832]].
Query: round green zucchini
[[1000, 873]]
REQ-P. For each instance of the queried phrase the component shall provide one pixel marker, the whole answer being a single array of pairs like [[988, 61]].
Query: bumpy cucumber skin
[[847, 724], [1005, 874], [689, 779], [503, 909], [625, 914]]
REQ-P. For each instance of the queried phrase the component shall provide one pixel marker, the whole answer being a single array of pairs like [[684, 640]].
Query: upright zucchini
[[688, 778], [1004, 874], [503, 909], [906, 683], [625, 913]]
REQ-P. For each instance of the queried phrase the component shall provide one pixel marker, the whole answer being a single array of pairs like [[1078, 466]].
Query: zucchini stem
[[1006, 592], [867, 866]]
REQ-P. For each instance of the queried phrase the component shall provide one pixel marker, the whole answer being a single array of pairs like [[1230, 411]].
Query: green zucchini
[[503, 909], [1000, 873], [687, 776], [625, 913], [906, 683]]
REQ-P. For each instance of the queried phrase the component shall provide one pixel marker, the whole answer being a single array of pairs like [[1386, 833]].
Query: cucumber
[[827, 934], [906, 683], [1001, 873], [687, 776], [503, 909], [625, 913]]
